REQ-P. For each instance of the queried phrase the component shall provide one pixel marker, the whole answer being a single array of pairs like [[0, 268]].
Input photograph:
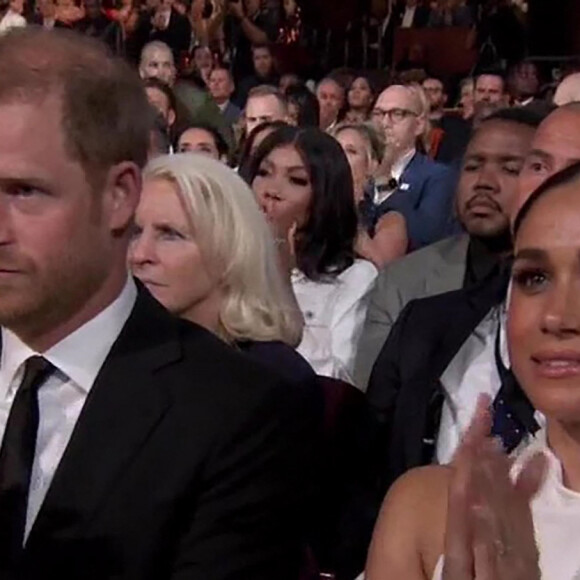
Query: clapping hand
[[236, 9], [490, 533]]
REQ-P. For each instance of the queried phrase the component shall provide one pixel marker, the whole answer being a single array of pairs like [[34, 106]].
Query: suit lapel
[[121, 411], [451, 271]]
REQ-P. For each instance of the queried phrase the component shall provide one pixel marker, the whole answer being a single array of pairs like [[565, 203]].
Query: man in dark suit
[[409, 182], [135, 445], [411, 14], [221, 87]]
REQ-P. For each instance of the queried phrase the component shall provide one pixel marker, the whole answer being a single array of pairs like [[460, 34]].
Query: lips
[[482, 203], [557, 364]]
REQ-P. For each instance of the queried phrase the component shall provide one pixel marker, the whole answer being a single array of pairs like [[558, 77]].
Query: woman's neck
[[564, 441]]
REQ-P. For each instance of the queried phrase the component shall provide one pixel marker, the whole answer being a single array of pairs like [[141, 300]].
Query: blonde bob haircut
[[237, 245]]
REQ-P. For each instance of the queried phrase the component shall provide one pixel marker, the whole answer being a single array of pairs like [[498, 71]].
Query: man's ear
[[122, 191]]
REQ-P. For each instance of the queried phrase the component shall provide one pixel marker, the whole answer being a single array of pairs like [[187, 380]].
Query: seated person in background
[[203, 248], [513, 539], [162, 99], [68, 12], [95, 22], [159, 138], [568, 91], [407, 181], [491, 87], [450, 13], [449, 133], [465, 103], [303, 183], [386, 240], [201, 65], [264, 73], [45, 15], [204, 139], [265, 104], [331, 97], [486, 192], [221, 87], [303, 107], [288, 80], [411, 14], [11, 15], [523, 83], [360, 98]]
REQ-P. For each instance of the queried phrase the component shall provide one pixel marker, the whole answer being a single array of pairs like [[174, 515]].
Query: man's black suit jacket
[[188, 461]]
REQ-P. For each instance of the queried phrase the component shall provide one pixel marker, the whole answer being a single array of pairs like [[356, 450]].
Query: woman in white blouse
[[303, 183]]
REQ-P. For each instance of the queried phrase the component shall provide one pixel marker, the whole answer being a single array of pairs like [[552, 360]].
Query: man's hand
[[490, 532]]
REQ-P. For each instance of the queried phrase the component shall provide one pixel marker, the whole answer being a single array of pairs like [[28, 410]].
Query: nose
[[487, 179], [561, 316], [142, 251]]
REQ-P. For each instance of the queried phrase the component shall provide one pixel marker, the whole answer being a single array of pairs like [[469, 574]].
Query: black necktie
[[513, 414], [16, 459]]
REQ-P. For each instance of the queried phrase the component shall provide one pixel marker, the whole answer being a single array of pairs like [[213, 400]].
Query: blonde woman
[[387, 239], [203, 249]]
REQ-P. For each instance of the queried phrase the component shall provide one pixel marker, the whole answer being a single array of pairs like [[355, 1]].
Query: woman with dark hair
[[303, 182], [488, 516], [360, 98], [254, 140], [303, 107]]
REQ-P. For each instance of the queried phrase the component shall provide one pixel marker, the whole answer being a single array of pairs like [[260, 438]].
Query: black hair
[[325, 243], [307, 104], [219, 140], [159, 134], [532, 116], [246, 153], [155, 83], [565, 177]]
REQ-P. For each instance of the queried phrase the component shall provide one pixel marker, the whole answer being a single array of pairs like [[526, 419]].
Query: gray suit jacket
[[435, 269]]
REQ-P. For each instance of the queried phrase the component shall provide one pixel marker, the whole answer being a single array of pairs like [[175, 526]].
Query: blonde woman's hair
[[373, 138], [235, 240]]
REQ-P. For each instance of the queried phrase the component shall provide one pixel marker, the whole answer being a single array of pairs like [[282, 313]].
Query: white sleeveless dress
[[556, 513]]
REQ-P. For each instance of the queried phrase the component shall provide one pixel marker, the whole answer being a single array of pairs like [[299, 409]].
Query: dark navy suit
[[424, 197]]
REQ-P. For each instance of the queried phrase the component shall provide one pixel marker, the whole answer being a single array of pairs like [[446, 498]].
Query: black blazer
[[405, 393], [188, 461]]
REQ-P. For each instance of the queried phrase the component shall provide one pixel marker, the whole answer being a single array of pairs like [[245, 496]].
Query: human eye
[[298, 180], [536, 165], [530, 280], [167, 232], [23, 190], [136, 231], [513, 168], [471, 165], [262, 172]]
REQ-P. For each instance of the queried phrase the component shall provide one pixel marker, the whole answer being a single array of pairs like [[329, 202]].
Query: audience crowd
[[261, 319]]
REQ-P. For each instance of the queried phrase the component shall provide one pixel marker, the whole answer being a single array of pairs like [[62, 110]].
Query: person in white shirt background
[[11, 15], [302, 180]]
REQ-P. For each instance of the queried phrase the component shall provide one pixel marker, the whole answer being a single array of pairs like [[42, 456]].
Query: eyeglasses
[[395, 115]]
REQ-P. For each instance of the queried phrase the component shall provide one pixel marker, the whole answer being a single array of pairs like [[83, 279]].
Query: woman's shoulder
[[409, 535], [358, 271]]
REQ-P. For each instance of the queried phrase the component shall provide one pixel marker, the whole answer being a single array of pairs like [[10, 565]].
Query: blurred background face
[[220, 85], [556, 145], [262, 109], [331, 99], [287, 81], [46, 8], [263, 62], [203, 59], [158, 63], [164, 254], [283, 188], [357, 151], [466, 99], [435, 93], [525, 80], [161, 103], [360, 95], [488, 185], [544, 310], [197, 140], [397, 113], [490, 89]]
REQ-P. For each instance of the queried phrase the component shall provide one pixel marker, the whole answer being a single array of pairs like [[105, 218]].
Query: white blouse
[[334, 313], [11, 20], [556, 515]]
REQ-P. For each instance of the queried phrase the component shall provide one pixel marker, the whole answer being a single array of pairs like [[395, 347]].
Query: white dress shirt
[[408, 17], [397, 171], [78, 359], [334, 314], [11, 20], [472, 371]]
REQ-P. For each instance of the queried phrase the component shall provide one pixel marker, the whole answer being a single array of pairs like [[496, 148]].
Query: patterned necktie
[[17, 458], [513, 414]]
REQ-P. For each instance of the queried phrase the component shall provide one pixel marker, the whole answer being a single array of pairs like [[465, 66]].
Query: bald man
[[568, 90], [157, 62], [409, 183]]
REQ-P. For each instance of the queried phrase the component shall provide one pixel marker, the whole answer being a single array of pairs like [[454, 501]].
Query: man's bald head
[[556, 145], [157, 62], [568, 90]]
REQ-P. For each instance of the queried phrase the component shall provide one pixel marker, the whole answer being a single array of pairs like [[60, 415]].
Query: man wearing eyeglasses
[[408, 182]]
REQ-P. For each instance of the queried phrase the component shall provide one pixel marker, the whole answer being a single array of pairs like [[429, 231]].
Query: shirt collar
[[401, 163], [81, 354]]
